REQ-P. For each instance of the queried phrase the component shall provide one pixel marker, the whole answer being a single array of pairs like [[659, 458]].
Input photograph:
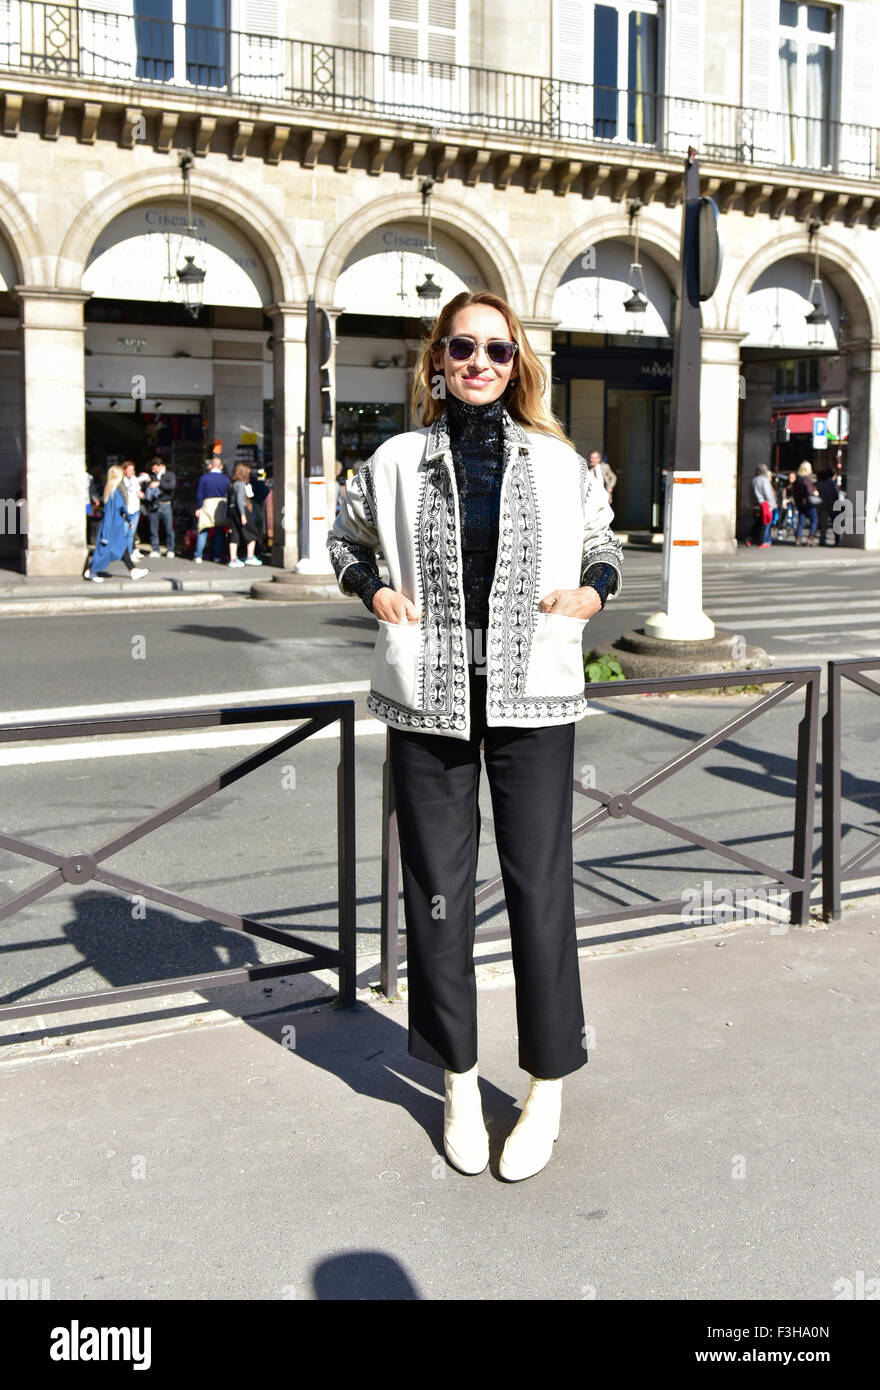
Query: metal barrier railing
[[85, 867], [834, 871], [618, 805]]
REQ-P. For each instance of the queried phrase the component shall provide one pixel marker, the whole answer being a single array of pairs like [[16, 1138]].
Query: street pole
[[681, 618], [313, 510]]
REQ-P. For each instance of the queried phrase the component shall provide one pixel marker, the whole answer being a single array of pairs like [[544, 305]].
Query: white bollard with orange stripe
[[682, 618], [317, 561]]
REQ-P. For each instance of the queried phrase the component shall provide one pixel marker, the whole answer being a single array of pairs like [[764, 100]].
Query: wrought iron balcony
[[317, 79]]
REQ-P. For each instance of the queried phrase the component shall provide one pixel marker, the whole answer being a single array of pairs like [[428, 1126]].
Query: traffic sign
[[838, 423], [820, 433]]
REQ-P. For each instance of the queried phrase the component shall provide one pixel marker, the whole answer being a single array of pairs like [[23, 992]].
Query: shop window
[[796, 377], [360, 429]]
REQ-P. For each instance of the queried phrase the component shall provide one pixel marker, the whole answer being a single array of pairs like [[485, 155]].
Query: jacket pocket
[[556, 663], [396, 655]]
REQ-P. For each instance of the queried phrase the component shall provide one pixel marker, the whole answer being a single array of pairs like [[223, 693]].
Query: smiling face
[[478, 380]]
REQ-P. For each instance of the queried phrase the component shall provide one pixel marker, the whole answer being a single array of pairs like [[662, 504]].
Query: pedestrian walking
[[93, 499], [211, 506], [134, 495], [113, 541], [487, 499], [603, 472], [160, 506], [807, 500], [763, 507], [239, 515], [826, 486]]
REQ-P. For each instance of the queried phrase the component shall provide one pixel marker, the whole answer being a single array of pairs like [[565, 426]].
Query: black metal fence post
[[390, 862], [831, 798]]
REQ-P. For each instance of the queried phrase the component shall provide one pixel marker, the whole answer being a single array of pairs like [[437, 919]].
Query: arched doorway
[[797, 376], [381, 327], [611, 384], [159, 378]]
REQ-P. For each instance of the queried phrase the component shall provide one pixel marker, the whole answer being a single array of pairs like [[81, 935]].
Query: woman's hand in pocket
[[571, 603], [393, 607]]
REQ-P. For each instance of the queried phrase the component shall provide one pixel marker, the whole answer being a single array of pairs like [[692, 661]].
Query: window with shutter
[[859, 150], [685, 28], [257, 62], [605, 63], [108, 44], [425, 42]]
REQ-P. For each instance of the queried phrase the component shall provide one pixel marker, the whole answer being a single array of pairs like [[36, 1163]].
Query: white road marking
[[273, 695], [184, 741]]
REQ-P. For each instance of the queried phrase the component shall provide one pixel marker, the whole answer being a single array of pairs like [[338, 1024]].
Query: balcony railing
[[329, 79]]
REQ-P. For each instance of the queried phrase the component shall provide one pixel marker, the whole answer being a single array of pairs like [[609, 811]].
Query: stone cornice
[[242, 128]]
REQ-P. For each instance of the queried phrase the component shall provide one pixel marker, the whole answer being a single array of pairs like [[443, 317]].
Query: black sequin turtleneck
[[476, 440]]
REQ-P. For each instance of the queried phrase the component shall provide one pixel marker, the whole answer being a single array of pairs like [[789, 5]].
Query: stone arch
[[654, 236], [23, 240], [241, 208], [490, 252], [843, 269]]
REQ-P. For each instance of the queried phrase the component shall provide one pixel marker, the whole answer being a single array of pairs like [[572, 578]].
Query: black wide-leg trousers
[[436, 784]]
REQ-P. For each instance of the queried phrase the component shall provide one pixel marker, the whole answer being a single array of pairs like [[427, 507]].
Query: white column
[[289, 414], [540, 335], [54, 428], [720, 394], [863, 453]]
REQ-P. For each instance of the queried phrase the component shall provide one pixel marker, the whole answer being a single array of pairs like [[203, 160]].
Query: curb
[[60, 606]]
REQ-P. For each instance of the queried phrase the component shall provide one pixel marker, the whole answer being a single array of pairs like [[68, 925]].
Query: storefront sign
[[138, 254]]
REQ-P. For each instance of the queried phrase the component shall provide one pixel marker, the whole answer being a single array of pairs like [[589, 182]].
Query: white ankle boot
[[530, 1144], [465, 1137]]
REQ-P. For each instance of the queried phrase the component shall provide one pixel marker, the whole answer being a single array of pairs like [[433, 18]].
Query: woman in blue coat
[[113, 541]]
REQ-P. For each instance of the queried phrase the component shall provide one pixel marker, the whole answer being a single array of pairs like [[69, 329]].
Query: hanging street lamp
[[190, 276], [817, 318], [637, 303], [428, 291]]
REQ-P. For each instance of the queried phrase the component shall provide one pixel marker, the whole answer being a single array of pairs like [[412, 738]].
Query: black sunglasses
[[462, 349]]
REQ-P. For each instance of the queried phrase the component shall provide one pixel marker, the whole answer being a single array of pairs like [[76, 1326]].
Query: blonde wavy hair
[[524, 395], [115, 475]]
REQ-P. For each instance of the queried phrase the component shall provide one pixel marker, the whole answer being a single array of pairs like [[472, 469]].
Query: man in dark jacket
[[827, 489], [159, 497]]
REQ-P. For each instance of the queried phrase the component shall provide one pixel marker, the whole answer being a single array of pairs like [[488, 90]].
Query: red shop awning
[[802, 423]]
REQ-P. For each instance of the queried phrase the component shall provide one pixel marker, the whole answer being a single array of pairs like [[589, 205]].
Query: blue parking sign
[[820, 433]]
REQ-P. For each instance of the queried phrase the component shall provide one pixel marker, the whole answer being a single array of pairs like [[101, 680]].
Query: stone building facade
[[551, 134]]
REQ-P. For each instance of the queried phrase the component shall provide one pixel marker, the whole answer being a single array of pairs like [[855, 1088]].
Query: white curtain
[[818, 104], [788, 100]]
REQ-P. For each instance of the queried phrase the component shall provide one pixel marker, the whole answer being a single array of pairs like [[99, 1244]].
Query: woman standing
[[498, 545], [239, 511], [764, 504], [808, 500], [113, 541]]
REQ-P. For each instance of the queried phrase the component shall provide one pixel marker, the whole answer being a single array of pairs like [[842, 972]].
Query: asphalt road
[[798, 609], [266, 845]]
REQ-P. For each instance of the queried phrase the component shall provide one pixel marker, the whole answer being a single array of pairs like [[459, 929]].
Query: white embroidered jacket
[[554, 521]]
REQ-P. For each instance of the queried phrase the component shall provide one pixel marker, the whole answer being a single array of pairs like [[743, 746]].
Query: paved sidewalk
[[720, 1143], [181, 577]]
